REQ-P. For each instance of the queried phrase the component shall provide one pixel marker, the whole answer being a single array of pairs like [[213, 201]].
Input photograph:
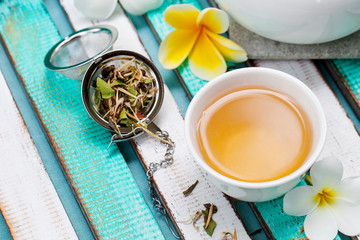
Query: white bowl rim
[[257, 185]]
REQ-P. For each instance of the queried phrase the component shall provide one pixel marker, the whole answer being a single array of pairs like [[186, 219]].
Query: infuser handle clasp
[[152, 127]]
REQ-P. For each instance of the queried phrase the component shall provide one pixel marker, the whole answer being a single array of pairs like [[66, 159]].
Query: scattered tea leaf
[[210, 229], [226, 236], [197, 216], [105, 89], [190, 189], [210, 224], [190, 218], [208, 205], [209, 215]]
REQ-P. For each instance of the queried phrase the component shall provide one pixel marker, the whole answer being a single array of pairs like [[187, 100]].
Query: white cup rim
[[255, 185]]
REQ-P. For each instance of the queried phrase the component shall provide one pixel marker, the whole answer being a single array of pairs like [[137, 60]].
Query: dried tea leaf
[[190, 218], [210, 224], [97, 98], [123, 114], [197, 216], [105, 89], [210, 213], [211, 227], [131, 89], [149, 80], [127, 122], [108, 72], [117, 82], [125, 96], [190, 189], [226, 236], [208, 206]]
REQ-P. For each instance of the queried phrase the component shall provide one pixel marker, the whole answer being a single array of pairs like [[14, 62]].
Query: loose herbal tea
[[254, 135], [228, 235], [210, 224], [123, 95], [190, 189]]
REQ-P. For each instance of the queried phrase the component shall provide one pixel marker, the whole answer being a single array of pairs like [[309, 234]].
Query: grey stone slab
[[259, 47]]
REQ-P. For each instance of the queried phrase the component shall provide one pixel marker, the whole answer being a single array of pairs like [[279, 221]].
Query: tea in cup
[[255, 132]]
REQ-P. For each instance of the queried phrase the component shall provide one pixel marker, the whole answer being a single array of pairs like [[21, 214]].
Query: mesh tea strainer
[[117, 59]]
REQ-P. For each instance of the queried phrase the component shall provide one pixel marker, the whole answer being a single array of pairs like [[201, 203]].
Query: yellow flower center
[[326, 196]]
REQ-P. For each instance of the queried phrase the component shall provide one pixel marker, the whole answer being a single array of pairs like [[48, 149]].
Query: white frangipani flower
[[332, 204]]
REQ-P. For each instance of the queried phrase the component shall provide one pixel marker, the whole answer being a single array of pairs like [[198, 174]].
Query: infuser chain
[[153, 167]]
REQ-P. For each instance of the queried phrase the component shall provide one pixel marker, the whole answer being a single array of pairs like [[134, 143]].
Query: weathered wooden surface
[[28, 200], [346, 74], [176, 178], [342, 140], [108, 193]]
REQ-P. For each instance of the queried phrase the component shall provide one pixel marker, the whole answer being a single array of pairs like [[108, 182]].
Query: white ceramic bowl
[[296, 21], [269, 78]]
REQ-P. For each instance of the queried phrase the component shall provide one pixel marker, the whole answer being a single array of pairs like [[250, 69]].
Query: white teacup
[[268, 78]]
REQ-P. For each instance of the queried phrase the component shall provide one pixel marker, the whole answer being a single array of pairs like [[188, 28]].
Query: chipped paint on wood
[[95, 172], [342, 140], [28, 200], [348, 91]]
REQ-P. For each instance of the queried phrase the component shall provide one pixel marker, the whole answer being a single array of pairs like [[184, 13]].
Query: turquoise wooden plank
[[4, 230], [350, 70], [346, 74], [281, 225], [351, 107], [45, 151], [100, 177]]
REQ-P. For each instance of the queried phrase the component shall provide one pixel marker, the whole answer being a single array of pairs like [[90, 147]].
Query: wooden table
[[46, 194]]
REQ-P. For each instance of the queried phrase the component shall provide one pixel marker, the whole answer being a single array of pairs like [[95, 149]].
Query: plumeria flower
[[332, 204], [196, 35]]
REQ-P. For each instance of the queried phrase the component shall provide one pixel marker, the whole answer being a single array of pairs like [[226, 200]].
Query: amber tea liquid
[[254, 135]]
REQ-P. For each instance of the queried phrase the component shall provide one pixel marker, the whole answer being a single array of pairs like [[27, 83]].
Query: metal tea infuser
[[63, 57], [116, 59]]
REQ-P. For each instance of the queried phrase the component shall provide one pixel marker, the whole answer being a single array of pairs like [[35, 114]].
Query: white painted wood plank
[[28, 200], [342, 139], [171, 182]]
